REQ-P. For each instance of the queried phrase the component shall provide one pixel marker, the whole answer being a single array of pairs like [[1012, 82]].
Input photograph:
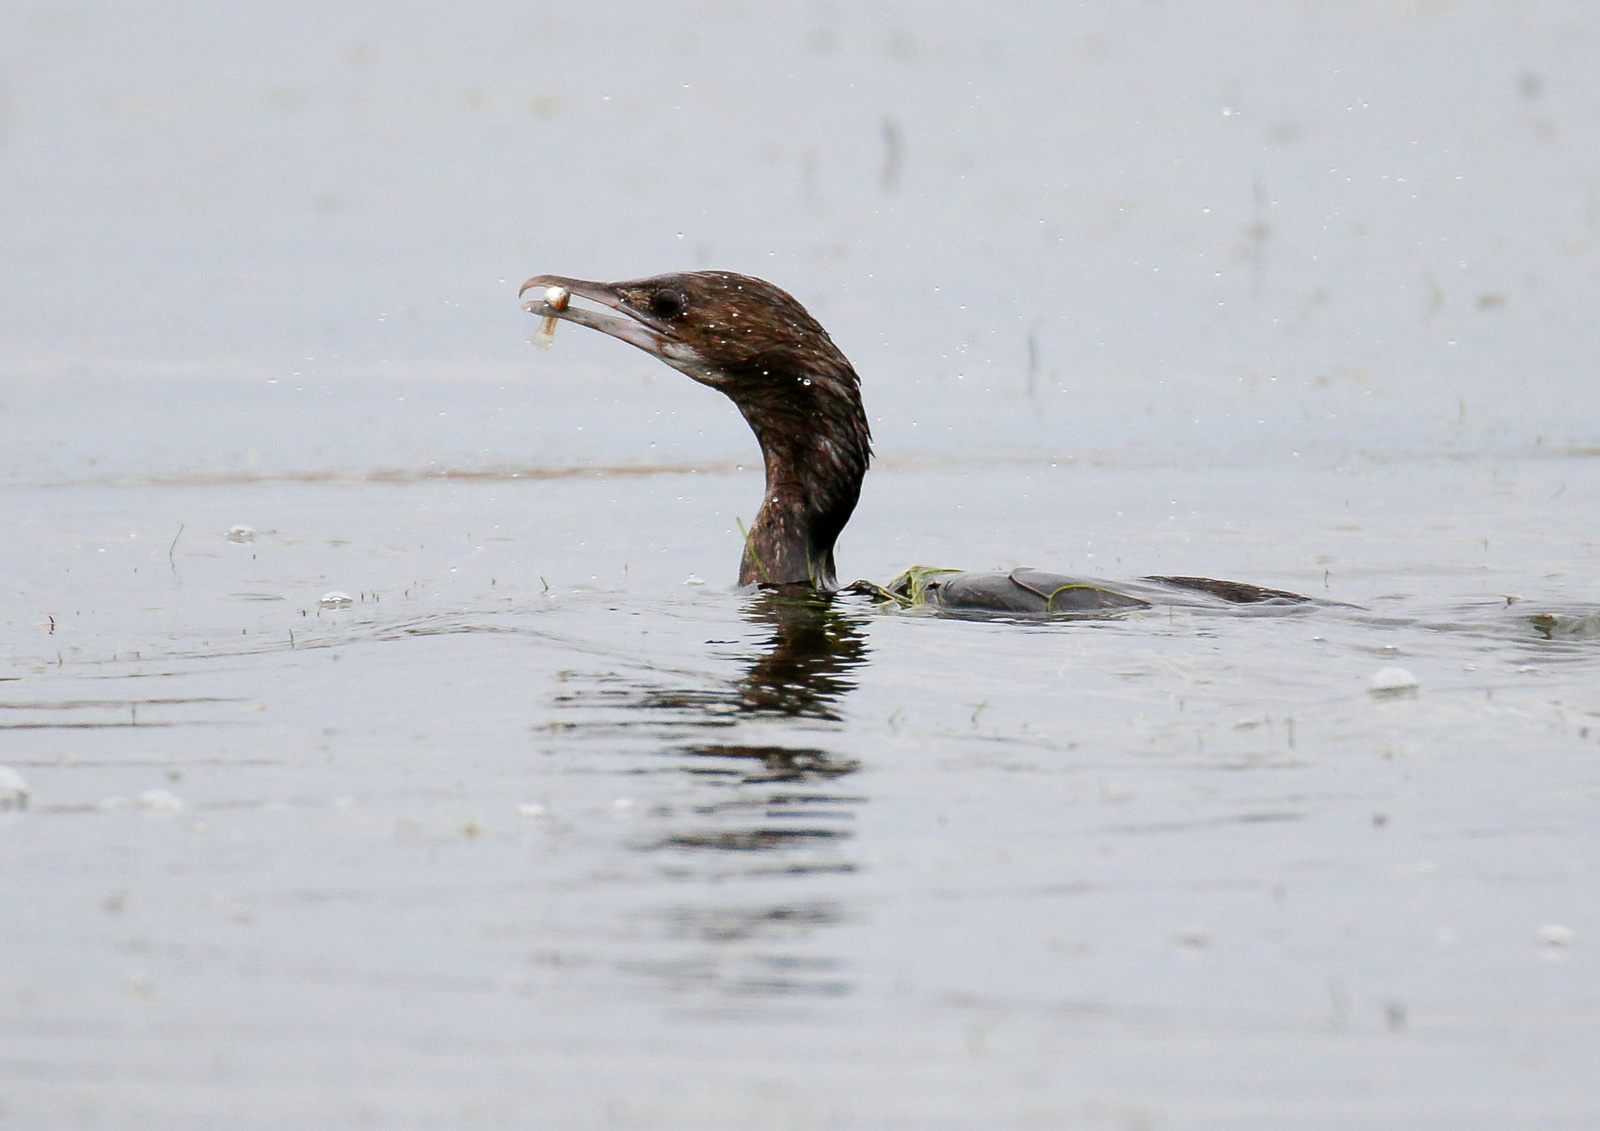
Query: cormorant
[[755, 343]]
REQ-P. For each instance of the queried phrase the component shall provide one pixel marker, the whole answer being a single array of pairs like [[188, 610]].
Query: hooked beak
[[637, 328]]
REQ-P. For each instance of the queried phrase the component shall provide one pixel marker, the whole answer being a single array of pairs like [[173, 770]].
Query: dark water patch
[[746, 951], [748, 840], [778, 763], [707, 976], [781, 807], [738, 923]]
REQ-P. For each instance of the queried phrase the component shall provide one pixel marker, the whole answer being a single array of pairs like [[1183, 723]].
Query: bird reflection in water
[[805, 667], [800, 672], [758, 811]]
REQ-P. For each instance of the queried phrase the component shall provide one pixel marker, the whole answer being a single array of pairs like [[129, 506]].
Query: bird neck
[[816, 449], [785, 545]]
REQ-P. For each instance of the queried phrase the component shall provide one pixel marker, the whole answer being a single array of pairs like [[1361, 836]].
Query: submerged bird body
[[801, 397], [1036, 591]]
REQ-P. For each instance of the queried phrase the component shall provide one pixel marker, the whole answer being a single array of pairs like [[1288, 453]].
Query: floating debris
[[240, 534], [1553, 626], [336, 600], [1394, 683]]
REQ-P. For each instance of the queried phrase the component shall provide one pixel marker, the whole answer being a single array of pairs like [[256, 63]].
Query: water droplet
[[335, 600]]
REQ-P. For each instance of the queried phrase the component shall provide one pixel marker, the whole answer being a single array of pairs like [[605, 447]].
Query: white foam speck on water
[[1393, 682], [13, 789], [336, 599], [240, 534], [159, 801]]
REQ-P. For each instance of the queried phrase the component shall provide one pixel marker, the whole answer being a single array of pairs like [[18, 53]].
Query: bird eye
[[666, 304]]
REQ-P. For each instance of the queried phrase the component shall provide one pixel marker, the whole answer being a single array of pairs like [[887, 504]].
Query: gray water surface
[[548, 826]]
